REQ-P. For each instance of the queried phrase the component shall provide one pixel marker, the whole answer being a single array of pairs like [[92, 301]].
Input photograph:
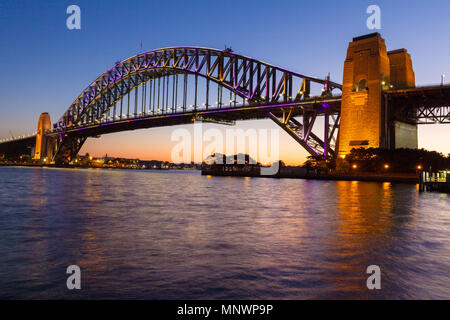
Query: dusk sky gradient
[[44, 66]]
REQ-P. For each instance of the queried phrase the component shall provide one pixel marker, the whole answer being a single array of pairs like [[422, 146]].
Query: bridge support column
[[366, 118], [43, 148], [400, 132]]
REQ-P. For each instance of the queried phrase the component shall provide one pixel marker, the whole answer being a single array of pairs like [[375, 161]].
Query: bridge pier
[[367, 119], [44, 145]]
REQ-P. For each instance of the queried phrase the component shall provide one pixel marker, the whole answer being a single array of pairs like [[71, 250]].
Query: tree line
[[382, 160]]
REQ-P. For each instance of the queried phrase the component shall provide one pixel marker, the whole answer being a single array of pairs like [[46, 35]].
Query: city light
[[386, 166], [419, 167], [354, 166]]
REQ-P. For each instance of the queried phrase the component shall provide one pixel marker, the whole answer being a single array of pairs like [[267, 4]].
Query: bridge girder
[[302, 131], [67, 147], [421, 105]]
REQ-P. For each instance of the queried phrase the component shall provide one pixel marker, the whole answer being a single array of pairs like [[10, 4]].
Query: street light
[[386, 166], [442, 79]]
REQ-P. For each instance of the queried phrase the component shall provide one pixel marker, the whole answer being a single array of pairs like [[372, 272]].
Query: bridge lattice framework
[[181, 84]]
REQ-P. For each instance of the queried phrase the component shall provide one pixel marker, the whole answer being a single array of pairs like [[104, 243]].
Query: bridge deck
[[224, 114], [421, 105]]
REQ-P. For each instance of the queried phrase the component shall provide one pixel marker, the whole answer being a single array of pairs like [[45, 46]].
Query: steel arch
[[257, 82]]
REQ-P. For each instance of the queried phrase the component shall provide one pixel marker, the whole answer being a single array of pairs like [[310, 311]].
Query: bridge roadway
[[420, 105], [225, 115], [17, 147]]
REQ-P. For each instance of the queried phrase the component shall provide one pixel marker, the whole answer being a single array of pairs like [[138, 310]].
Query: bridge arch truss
[[191, 81], [252, 81]]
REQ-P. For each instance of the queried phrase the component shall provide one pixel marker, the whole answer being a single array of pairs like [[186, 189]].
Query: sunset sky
[[45, 66]]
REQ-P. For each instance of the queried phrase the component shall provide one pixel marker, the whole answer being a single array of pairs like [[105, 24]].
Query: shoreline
[[32, 165], [410, 179]]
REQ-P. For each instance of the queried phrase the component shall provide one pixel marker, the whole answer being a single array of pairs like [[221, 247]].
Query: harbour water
[[180, 235]]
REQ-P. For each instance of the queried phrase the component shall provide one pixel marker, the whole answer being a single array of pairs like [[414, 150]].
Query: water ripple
[[178, 235]]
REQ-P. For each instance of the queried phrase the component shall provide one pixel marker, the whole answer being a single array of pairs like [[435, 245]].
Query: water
[[178, 235]]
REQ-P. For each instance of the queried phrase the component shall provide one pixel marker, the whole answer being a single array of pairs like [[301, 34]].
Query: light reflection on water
[[178, 235]]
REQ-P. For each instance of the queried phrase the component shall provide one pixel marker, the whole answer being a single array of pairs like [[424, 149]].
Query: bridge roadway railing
[[318, 105]]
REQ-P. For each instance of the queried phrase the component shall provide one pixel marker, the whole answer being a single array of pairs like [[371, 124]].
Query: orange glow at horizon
[[156, 144]]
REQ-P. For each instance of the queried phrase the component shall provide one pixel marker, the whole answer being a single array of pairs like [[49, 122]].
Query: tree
[[319, 163], [399, 160]]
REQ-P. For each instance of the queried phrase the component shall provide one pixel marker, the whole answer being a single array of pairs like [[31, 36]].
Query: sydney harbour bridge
[[180, 85]]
